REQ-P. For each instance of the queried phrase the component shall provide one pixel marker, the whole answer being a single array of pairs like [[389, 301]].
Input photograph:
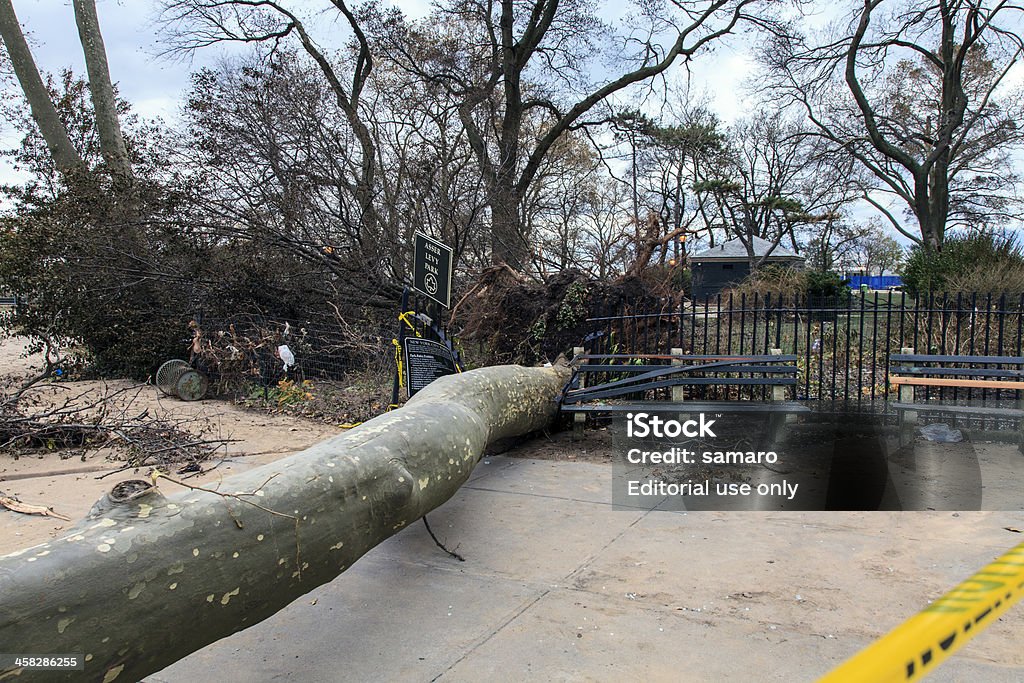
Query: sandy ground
[[71, 486]]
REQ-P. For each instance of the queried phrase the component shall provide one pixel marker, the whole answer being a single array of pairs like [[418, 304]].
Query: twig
[[157, 474], [440, 545]]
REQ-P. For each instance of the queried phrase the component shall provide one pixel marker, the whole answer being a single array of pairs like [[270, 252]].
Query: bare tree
[[515, 60], [196, 24], [666, 158], [877, 251], [274, 157], [834, 245], [770, 181], [605, 248], [428, 178], [915, 91]]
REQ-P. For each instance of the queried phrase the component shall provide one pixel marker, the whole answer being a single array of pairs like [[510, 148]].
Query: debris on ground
[[15, 505], [37, 415], [941, 433]]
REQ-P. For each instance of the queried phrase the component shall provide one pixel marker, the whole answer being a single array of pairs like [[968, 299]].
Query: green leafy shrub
[[986, 263], [826, 285]]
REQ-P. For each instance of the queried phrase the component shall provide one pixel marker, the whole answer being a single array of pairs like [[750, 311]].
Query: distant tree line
[[533, 136]]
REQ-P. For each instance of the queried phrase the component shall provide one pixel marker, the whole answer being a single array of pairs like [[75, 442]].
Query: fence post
[[1020, 428], [777, 421], [579, 420], [677, 390], [908, 418], [778, 390], [907, 390]]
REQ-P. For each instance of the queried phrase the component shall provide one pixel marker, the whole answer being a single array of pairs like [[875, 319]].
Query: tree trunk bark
[[141, 584], [104, 102], [508, 243], [65, 156]]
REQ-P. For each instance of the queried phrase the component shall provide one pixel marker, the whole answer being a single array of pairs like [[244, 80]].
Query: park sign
[[425, 361], [432, 269]]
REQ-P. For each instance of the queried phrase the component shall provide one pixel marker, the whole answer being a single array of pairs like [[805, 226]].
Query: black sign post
[[432, 269], [425, 361]]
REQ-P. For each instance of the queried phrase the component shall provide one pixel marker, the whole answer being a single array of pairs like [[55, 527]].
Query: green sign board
[[432, 269]]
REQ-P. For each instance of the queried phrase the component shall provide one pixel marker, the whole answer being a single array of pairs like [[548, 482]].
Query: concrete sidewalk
[[558, 586]]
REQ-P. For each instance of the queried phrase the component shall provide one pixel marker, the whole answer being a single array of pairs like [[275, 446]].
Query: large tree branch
[[364, 60], [893, 180], [541, 19], [104, 102], [892, 219], [867, 111], [679, 48], [142, 583]]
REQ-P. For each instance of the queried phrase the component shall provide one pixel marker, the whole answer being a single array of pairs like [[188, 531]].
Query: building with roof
[[726, 264]]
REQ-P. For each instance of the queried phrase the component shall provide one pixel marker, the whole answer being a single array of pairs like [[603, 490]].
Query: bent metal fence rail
[[842, 344]]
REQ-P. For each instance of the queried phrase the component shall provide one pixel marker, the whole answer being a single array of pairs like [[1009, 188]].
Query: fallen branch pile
[[35, 417]]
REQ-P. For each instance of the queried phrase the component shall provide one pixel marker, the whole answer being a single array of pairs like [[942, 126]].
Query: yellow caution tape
[[922, 642], [406, 318], [398, 362]]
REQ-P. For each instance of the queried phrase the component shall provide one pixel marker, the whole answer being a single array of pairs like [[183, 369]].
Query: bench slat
[[644, 379], [973, 372], [668, 356], [769, 369], [964, 383], [604, 391], [690, 407], [981, 360], [938, 407]]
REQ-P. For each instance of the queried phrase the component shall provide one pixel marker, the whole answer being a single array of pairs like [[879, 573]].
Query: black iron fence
[[252, 352], [842, 344]]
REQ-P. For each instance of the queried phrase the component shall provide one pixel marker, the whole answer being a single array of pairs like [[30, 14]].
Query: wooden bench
[[909, 370], [677, 371]]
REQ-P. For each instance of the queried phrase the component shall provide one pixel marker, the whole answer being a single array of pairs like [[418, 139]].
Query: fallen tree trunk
[[140, 585]]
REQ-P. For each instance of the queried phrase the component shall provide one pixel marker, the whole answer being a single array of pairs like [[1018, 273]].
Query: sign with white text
[[425, 361], [432, 269]]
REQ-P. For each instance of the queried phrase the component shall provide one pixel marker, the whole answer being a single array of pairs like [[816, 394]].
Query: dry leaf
[[26, 509], [1014, 529]]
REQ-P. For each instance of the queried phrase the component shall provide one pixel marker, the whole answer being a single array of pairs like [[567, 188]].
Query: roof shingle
[[733, 250]]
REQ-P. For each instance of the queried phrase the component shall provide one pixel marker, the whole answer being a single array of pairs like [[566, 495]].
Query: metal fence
[[244, 353], [842, 344]]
